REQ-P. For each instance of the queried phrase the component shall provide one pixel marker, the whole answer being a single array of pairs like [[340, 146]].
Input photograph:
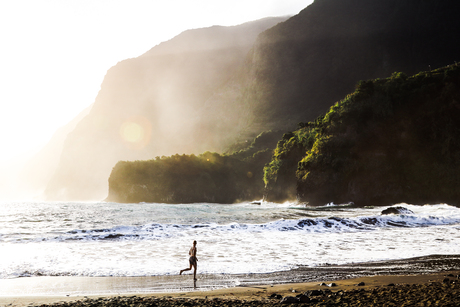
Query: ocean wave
[[315, 225], [154, 239]]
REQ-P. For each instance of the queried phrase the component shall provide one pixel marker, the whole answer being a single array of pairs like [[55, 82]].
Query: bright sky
[[54, 53]]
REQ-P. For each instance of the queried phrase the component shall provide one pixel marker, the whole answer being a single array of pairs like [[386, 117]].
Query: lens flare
[[132, 132], [135, 132]]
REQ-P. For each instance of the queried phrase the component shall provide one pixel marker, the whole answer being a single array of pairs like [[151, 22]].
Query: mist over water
[[112, 239]]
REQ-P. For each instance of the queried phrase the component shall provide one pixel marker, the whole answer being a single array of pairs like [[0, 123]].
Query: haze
[[55, 54]]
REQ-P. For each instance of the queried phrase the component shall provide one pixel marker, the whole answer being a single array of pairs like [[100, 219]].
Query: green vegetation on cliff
[[392, 140], [209, 177]]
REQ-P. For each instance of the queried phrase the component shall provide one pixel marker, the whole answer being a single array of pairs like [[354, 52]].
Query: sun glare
[[132, 132], [135, 132]]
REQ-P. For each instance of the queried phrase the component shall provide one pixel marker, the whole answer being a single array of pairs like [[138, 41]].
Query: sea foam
[[110, 239]]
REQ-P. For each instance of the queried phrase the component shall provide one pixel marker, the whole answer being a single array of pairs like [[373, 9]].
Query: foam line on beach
[[78, 285]]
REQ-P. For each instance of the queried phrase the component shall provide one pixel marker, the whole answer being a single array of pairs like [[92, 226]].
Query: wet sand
[[399, 290], [425, 281]]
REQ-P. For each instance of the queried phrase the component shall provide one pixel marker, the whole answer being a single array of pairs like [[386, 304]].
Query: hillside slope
[[392, 140]]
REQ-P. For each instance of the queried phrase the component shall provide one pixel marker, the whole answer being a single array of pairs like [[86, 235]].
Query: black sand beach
[[424, 281]]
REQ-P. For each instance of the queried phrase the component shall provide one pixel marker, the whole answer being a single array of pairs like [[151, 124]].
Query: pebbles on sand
[[446, 293]]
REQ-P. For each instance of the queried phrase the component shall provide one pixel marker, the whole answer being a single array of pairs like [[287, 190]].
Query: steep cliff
[[300, 67], [392, 140]]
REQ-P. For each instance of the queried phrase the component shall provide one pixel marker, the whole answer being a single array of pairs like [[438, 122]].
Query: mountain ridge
[[158, 96], [293, 72]]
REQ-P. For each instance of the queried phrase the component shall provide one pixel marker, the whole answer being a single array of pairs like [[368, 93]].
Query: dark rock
[[361, 284], [290, 300], [314, 293], [446, 280], [304, 299], [276, 296], [113, 236], [396, 210]]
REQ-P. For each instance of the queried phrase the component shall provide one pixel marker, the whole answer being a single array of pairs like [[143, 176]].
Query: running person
[[192, 260]]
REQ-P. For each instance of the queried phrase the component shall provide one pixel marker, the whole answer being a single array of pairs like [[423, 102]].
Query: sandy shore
[[422, 281], [440, 289]]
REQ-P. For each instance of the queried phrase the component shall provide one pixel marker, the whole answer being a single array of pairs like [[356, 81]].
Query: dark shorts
[[192, 260]]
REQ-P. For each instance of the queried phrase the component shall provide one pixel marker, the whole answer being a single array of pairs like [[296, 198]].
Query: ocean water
[[149, 239]]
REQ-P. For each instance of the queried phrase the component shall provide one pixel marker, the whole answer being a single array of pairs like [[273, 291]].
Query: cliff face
[[392, 140], [174, 99], [302, 66], [147, 106]]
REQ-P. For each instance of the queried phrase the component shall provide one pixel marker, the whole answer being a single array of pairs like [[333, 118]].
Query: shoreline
[[260, 295], [26, 291]]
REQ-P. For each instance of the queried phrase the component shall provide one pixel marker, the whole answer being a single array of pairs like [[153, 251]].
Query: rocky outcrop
[[393, 140], [396, 210]]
